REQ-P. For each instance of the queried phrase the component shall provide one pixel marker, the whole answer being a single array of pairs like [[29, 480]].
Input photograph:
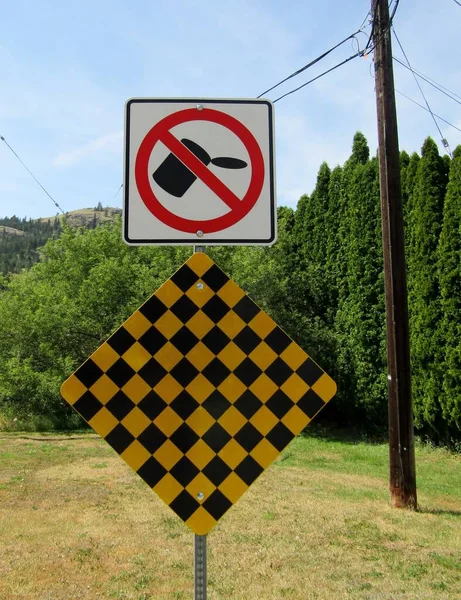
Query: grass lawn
[[77, 523]]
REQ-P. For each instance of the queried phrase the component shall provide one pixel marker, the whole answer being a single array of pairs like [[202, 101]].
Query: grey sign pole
[[200, 567], [200, 540]]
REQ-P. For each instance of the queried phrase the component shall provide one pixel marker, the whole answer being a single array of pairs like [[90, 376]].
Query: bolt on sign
[[199, 171], [199, 391]]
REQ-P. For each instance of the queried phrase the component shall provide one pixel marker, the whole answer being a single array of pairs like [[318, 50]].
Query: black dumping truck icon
[[175, 178]]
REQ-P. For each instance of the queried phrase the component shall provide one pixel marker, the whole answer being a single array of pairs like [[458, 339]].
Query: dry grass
[[76, 523]]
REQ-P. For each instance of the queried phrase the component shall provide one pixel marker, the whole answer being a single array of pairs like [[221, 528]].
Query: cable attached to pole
[[310, 64], [32, 175], [444, 141]]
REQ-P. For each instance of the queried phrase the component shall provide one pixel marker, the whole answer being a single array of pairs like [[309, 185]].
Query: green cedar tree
[[425, 220], [449, 271]]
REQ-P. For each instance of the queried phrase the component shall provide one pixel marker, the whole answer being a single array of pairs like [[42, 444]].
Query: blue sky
[[67, 69]]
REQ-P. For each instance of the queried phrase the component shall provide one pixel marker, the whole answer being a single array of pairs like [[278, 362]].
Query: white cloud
[[111, 142]]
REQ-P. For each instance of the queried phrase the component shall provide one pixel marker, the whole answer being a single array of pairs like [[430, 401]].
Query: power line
[[368, 48], [458, 3], [391, 20], [324, 54], [435, 85], [117, 192], [444, 141], [433, 81], [319, 76], [310, 64], [424, 108], [30, 172]]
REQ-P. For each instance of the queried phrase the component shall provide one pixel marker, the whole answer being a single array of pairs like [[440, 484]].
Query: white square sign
[[199, 172]]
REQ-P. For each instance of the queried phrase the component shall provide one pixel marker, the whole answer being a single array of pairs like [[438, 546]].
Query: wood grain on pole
[[401, 433]]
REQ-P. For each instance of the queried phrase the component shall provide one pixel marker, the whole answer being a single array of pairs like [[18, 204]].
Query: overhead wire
[[437, 83], [310, 64], [32, 175], [424, 108], [318, 77], [444, 141], [434, 85], [117, 192], [326, 53], [369, 47]]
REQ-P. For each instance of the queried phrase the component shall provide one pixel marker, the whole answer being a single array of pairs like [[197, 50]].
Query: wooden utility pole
[[401, 434]]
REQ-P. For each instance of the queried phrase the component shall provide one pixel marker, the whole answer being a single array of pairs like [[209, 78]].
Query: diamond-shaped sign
[[199, 391]]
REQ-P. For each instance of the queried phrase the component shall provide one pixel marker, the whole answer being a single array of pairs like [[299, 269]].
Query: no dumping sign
[[199, 172]]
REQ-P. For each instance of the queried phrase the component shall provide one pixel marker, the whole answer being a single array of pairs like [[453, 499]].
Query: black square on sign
[[184, 372], [248, 437], [184, 505], [152, 340], [184, 471], [217, 504], [215, 309], [120, 373], [248, 470], [309, 372], [88, 373], [88, 406], [184, 438], [184, 309], [184, 405], [184, 340], [247, 340], [310, 403], [246, 309], [184, 278], [152, 372], [216, 471], [248, 372], [280, 436], [277, 340], [119, 438], [279, 404], [248, 404], [120, 405], [152, 438], [216, 437], [153, 309], [121, 341], [215, 340], [152, 405], [215, 278], [152, 471], [279, 371], [216, 404], [216, 372]]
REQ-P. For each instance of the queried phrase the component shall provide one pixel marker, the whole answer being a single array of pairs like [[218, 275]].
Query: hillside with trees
[[21, 238], [322, 282]]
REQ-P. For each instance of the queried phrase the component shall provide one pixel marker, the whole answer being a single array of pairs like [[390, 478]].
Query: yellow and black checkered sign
[[199, 391]]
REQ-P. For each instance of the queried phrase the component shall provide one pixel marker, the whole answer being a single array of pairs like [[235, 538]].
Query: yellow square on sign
[[199, 391]]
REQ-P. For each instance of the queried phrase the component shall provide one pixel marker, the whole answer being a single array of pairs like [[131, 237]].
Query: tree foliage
[[322, 282], [425, 221], [449, 274], [19, 240]]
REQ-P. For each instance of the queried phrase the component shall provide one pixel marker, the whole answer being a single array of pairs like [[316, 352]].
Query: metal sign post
[[200, 577], [200, 567]]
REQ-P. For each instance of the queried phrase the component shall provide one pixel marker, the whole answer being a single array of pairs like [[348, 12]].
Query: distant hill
[[20, 238], [4, 230], [86, 217]]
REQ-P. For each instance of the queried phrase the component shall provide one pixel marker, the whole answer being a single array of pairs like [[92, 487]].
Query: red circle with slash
[[239, 208]]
